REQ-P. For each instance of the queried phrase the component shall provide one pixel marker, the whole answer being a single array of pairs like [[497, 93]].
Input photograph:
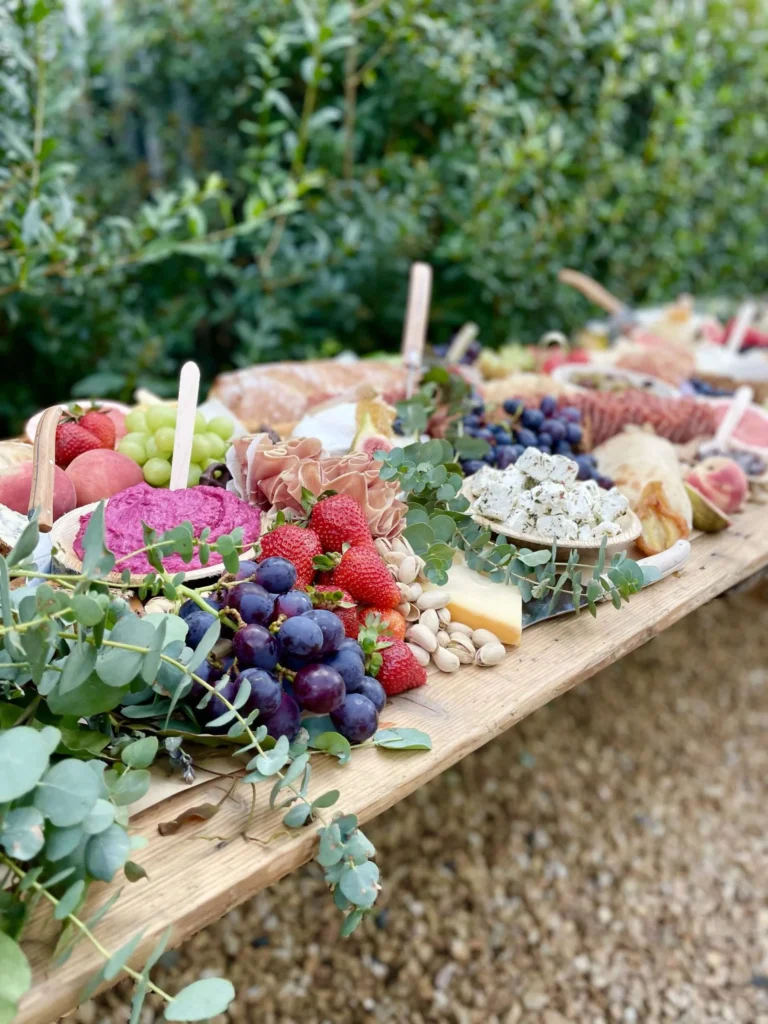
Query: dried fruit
[[298, 545], [706, 516]]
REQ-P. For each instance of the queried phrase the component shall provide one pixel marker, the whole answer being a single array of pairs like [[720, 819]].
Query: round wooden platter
[[65, 559]]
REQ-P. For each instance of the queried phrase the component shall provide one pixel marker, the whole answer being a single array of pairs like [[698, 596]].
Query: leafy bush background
[[246, 180]]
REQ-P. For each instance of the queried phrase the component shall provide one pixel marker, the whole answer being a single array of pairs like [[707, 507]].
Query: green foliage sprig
[[86, 691], [438, 525]]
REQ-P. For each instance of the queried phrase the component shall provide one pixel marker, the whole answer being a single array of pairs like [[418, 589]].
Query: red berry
[[340, 520], [364, 573], [392, 622], [335, 599], [298, 545], [399, 669], [72, 440], [99, 424]]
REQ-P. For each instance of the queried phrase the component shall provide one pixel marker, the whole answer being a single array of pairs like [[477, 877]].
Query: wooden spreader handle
[[416, 320], [591, 290], [43, 465]]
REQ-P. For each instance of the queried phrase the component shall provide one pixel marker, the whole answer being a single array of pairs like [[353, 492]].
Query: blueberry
[[473, 421], [532, 418], [548, 405], [397, 426], [348, 665], [603, 481], [545, 448], [471, 466], [506, 455], [502, 437], [485, 434], [562, 448], [197, 624], [526, 438], [571, 414], [512, 405], [190, 608], [373, 690], [573, 433], [478, 408], [545, 438], [555, 429], [591, 458], [491, 456], [585, 467]]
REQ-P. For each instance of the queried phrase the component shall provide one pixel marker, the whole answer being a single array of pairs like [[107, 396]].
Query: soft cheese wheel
[[482, 604]]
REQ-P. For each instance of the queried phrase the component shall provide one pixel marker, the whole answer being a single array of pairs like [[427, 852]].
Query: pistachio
[[403, 607], [158, 604], [459, 627], [490, 654], [445, 660], [461, 652], [430, 620], [481, 637], [419, 653], [459, 640], [443, 640], [433, 599], [400, 544], [395, 558], [382, 546], [422, 636], [410, 591], [413, 614], [408, 569], [444, 616]]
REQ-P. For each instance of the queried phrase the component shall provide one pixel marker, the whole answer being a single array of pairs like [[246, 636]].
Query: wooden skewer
[[43, 466], [189, 385], [416, 320], [463, 339], [590, 289], [740, 327]]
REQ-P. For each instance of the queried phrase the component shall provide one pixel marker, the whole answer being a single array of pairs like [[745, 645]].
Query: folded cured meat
[[646, 470]]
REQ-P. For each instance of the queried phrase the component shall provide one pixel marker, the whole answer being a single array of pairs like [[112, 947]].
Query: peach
[[100, 473], [721, 481], [118, 418], [16, 484]]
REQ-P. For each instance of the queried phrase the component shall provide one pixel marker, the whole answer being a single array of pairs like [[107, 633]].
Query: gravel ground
[[606, 861]]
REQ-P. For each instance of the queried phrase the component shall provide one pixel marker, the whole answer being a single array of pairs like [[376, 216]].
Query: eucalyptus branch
[[83, 928]]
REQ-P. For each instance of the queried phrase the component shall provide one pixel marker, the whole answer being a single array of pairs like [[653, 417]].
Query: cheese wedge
[[482, 604]]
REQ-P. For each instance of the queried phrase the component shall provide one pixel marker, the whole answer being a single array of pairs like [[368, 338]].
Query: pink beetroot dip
[[161, 509]]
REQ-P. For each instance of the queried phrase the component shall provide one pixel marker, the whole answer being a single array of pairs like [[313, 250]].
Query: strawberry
[[339, 602], [72, 440], [391, 620], [99, 424], [298, 545], [365, 575], [339, 520], [399, 670]]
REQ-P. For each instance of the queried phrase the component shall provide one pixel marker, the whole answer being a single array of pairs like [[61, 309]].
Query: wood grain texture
[[195, 880]]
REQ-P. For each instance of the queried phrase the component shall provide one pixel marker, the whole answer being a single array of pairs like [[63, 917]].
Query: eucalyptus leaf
[[359, 883], [297, 815], [60, 842], [331, 848], [351, 921], [141, 753], [15, 977], [5, 594], [100, 817], [97, 560], [21, 833], [106, 852], [23, 760], [67, 792], [205, 646], [151, 661], [77, 667], [25, 545], [87, 610], [129, 787], [402, 739], [119, 959], [326, 799], [201, 1000], [358, 847], [70, 900], [335, 744]]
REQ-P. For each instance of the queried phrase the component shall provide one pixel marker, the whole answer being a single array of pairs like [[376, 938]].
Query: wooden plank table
[[192, 882]]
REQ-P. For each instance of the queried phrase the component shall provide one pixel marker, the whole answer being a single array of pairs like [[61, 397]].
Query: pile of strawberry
[[81, 431], [338, 565]]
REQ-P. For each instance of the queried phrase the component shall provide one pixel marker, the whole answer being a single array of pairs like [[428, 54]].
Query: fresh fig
[[706, 516], [721, 481]]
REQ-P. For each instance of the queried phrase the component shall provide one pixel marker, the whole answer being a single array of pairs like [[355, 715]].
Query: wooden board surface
[[193, 880]]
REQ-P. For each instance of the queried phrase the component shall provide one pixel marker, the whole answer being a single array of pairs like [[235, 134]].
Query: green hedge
[[331, 145]]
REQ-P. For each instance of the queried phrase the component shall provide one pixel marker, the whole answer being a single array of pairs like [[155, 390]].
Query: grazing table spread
[[194, 881], [230, 634]]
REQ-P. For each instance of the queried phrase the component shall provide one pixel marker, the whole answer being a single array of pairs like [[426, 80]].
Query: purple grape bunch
[[295, 659], [552, 429]]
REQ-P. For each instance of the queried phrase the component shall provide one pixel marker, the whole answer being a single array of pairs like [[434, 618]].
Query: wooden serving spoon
[[189, 385], [43, 467], [416, 320]]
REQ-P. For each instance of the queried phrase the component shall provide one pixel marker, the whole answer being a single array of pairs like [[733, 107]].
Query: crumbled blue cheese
[[540, 494]]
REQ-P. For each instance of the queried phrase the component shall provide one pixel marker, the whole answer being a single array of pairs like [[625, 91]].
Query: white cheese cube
[[536, 464], [563, 470], [606, 530], [560, 527]]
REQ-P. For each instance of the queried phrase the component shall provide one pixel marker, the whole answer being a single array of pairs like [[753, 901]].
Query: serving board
[[193, 880]]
